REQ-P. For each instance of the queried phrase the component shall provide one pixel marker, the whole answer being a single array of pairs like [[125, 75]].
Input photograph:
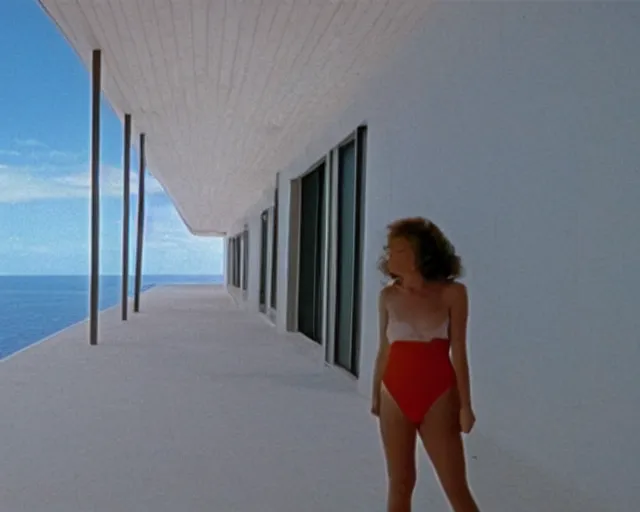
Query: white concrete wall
[[516, 128], [251, 300]]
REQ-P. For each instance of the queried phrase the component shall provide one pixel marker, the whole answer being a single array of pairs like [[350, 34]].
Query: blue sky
[[44, 170]]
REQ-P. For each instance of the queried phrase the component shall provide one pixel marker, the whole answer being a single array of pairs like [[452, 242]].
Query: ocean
[[34, 307]]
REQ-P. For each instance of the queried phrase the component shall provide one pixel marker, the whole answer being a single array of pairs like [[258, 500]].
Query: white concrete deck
[[194, 405]]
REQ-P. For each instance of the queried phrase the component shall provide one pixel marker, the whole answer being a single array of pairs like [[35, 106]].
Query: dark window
[[264, 240], [351, 166], [236, 258], [310, 285], [230, 261], [245, 258], [274, 258]]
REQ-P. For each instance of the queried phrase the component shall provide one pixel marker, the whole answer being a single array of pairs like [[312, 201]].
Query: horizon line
[[111, 275]]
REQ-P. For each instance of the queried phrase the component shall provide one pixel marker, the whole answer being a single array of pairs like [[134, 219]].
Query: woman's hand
[[467, 419]]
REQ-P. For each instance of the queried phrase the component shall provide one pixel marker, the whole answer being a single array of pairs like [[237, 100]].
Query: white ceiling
[[230, 91]]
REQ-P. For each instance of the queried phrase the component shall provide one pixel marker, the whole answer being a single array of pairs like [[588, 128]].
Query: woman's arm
[[381, 358], [459, 311]]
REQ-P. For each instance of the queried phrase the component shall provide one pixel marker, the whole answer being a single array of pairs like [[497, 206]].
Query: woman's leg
[[399, 439], [440, 434]]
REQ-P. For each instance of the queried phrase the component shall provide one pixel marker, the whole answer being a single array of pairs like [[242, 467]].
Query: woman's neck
[[413, 283]]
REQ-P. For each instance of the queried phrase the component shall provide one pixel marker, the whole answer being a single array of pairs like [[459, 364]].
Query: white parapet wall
[[516, 128]]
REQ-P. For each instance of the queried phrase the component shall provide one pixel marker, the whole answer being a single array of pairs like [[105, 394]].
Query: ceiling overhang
[[229, 92]]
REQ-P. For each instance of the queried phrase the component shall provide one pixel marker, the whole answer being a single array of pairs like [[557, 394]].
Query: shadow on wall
[[502, 481]]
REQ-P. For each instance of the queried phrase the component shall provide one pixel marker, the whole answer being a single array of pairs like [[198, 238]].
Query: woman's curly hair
[[436, 256]]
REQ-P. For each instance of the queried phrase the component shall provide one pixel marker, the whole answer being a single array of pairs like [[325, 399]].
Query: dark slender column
[[96, 78], [125, 214], [141, 172]]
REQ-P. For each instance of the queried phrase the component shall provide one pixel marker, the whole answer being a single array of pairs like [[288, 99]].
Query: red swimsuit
[[417, 374], [419, 370]]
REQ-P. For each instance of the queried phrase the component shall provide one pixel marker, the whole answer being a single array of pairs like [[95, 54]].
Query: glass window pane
[[245, 258], [311, 250], [346, 250], [306, 283], [319, 253], [264, 234], [274, 259]]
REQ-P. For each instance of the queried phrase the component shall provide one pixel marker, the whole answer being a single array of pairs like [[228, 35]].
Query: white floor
[[194, 405]]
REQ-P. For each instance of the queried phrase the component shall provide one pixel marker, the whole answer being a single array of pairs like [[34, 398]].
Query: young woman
[[419, 388]]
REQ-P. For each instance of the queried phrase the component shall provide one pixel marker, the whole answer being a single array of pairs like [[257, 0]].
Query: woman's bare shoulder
[[387, 291], [455, 293]]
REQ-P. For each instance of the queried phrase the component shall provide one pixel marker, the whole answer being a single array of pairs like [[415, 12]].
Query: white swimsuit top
[[419, 329], [416, 331]]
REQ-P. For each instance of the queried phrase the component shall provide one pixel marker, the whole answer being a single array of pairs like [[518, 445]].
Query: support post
[[96, 78], [141, 172], [125, 214]]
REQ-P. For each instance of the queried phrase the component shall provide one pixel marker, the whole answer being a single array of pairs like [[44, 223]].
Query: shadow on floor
[[324, 382]]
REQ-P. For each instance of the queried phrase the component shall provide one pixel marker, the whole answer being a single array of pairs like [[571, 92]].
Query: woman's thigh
[[442, 439], [398, 438]]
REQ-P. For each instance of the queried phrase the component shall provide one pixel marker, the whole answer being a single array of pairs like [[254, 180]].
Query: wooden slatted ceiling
[[230, 91]]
